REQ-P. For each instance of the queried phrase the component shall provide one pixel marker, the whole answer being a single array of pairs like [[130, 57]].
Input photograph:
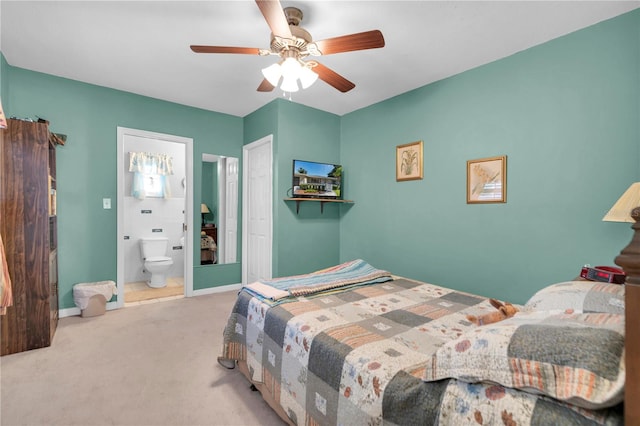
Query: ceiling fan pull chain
[[284, 95]]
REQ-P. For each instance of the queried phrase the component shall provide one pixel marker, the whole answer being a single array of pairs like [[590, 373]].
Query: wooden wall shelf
[[322, 201]]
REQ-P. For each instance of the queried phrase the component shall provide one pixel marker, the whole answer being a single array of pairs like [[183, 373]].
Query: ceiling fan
[[292, 44]]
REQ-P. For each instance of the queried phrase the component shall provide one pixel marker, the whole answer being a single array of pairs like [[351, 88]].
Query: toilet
[[156, 261]]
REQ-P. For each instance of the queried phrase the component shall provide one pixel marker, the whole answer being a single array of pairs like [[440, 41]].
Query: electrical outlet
[[106, 203]]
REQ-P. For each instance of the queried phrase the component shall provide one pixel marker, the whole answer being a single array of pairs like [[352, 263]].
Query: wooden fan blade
[[274, 15], [265, 86], [226, 49], [332, 78], [348, 43]]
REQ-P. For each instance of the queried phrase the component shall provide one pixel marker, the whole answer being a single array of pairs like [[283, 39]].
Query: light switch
[[106, 203]]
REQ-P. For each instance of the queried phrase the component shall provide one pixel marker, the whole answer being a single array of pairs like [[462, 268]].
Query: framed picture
[[487, 180], [409, 161]]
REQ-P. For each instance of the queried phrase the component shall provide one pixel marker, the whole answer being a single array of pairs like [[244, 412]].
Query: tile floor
[[132, 289]]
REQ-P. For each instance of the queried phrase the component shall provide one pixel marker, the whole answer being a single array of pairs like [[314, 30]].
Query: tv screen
[[317, 180]]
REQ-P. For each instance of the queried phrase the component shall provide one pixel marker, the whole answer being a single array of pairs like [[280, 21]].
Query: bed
[[356, 345]]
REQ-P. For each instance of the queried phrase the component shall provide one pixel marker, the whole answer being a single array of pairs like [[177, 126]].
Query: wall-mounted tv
[[317, 180]]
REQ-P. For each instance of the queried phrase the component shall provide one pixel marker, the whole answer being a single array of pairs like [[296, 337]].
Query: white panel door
[[257, 222]]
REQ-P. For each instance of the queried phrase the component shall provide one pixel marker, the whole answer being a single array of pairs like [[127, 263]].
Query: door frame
[[188, 208], [246, 204]]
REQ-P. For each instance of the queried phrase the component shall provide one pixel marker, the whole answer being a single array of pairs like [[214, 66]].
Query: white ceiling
[[143, 46]]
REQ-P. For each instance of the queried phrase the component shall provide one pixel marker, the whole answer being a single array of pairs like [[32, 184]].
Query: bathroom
[[158, 212]]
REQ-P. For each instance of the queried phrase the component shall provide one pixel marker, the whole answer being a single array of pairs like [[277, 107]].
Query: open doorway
[[155, 199]]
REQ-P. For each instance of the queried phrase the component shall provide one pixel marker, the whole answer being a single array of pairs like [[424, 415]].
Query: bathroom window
[[153, 186], [150, 173]]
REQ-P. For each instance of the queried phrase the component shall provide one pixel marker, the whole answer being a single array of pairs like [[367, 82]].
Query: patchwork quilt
[[359, 355]]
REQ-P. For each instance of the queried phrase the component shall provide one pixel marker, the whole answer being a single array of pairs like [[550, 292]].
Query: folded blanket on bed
[[265, 291], [346, 275]]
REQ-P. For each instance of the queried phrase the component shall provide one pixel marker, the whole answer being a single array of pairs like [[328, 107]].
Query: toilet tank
[[153, 247]]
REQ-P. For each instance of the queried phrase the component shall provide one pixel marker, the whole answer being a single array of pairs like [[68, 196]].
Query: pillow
[[579, 296], [576, 358]]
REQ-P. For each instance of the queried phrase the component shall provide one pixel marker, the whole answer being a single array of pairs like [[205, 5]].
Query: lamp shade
[[621, 210], [291, 68], [204, 209], [288, 72], [289, 84], [307, 77], [272, 73]]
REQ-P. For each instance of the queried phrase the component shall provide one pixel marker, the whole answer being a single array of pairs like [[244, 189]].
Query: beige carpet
[[152, 364]]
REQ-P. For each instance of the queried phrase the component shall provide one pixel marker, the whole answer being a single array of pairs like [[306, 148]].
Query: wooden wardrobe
[[28, 225]]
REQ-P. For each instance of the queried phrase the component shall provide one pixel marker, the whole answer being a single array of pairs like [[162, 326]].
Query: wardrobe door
[[24, 208]]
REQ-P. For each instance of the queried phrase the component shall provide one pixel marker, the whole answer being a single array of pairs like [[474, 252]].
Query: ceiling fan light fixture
[[307, 77], [291, 68], [289, 83], [272, 73]]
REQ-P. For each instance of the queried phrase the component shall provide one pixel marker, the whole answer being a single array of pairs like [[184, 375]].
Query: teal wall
[[4, 82], [566, 114], [309, 240], [87, 169], [257, 125], [210, 190]]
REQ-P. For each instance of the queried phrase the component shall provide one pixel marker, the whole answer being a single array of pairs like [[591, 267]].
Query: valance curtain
[[146, 163]]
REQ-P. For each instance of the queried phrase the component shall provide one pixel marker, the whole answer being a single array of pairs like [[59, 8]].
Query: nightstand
[[211, 231], [207, 252]]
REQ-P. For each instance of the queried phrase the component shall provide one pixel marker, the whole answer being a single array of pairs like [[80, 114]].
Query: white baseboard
[[70, 312], [220, 289]]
